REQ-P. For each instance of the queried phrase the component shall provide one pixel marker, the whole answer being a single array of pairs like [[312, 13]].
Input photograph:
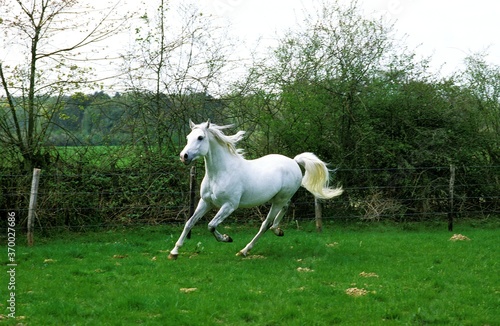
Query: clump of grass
[[124, 277]]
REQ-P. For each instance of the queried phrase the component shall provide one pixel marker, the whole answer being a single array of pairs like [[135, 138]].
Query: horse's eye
[[200, 137]]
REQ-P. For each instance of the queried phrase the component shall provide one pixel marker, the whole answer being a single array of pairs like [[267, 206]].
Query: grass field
[[366, 274]]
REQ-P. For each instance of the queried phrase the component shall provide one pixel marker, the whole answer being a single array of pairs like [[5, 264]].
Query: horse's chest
[[219, 193]]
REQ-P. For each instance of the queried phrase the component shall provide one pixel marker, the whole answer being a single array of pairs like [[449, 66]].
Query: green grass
[[123, 277]]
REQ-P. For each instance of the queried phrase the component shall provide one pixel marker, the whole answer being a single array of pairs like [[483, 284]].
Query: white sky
[[446, 30]]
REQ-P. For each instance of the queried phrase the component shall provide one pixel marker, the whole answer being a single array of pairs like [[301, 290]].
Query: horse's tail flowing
[[316, 176]]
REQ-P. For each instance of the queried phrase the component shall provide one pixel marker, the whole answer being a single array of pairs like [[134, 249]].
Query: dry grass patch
[[459, 237], [364, 274], [355, 292]]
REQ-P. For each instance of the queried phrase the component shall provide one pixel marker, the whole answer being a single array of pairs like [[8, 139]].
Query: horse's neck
[[220, 160]]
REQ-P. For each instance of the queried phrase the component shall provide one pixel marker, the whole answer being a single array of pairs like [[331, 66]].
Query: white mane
[[225, 140]]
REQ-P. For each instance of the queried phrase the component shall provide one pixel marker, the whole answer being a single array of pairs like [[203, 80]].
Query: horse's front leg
[[223, 212], [202, 208]]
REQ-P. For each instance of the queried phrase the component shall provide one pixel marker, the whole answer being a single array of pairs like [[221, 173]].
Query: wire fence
[[95, 200]]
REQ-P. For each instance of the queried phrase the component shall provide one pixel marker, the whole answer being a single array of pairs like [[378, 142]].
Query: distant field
[[365, 274]]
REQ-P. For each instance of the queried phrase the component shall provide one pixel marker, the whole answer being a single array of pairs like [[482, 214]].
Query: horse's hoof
[[279, 232], [240, 253], [228, 238], [172, 257]]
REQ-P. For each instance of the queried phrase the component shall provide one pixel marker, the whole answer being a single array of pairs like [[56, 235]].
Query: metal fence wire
[[93, 200]]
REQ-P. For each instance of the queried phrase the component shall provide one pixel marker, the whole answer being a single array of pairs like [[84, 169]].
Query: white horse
[[231, 181]]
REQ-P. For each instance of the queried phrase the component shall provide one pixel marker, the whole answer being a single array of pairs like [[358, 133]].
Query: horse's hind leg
[[275, 227], [274, 211]]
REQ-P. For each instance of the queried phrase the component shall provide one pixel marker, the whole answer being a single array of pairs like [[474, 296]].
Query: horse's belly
[[244, 198], [272, 177]]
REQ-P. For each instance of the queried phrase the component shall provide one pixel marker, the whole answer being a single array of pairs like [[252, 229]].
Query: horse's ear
[[208, 123], [191, 124]]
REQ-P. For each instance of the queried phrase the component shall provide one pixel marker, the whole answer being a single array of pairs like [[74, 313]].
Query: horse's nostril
[[185, 156]]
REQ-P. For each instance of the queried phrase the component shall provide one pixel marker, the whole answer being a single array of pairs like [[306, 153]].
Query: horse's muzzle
[[185, 158]]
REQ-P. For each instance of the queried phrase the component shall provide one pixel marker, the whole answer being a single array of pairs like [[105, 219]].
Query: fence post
[[32, 207], [318, 212], [192, 194], [451, 212]]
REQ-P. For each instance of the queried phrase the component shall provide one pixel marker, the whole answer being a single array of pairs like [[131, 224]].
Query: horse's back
[[276, 163]]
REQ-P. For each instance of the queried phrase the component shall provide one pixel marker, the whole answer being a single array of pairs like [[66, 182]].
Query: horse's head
[[197, 142]]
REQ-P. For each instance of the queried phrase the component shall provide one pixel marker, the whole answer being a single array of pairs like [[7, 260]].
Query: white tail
[[316, 177]]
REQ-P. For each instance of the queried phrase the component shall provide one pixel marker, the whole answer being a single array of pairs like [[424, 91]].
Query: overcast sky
[[447, 30]]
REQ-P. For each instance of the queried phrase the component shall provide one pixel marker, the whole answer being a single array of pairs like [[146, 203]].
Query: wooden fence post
[[32, 207], [318, 213], [451, 213], [192, 194]]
